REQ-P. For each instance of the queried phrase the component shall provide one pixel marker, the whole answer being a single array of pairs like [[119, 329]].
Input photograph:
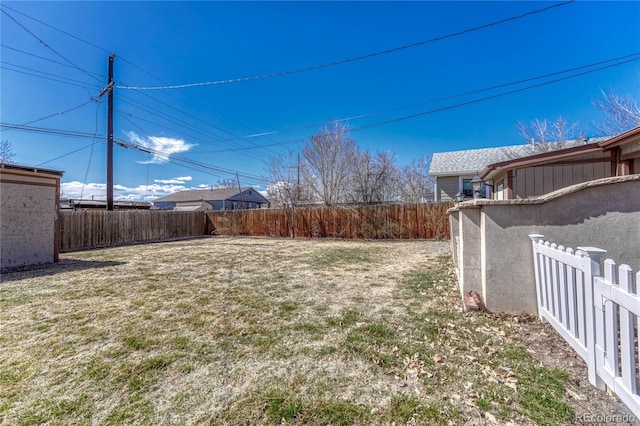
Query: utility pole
[[298, 184], [240, 189], [110, 136], [109, 91]]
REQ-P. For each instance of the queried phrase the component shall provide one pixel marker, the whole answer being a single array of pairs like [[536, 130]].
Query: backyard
[[223, 330]]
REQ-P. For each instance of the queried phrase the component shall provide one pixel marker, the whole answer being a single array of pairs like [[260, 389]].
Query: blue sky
[[54, 58]]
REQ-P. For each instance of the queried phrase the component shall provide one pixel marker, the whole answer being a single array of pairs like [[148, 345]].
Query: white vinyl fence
[[599, 316]]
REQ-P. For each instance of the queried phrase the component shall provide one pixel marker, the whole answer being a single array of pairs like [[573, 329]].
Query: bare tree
[[227, 183], [329, 158], [283, 187], [416, 185], [544, 135], [374, 178], [390, 176], [620, 113], [6, 152]]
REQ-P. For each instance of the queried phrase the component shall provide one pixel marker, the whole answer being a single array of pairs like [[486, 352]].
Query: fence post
[[591, 269], [535, 239]]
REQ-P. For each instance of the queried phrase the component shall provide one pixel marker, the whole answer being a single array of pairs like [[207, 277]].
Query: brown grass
[[262, 331]]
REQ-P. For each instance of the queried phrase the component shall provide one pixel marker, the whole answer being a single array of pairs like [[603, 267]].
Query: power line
[[353, 59], [124, 144], [58, 113], [49, 47], [46, 59], [81, 134], [486, 98], [65, 155], [93, 142], [70, 82], [234, 136], [474, 101], [70, 133], [139, 68], [181, 159], [128, 116], [57, 29]]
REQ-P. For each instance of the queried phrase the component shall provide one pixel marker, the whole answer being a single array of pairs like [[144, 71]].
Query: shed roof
[[18, 167]]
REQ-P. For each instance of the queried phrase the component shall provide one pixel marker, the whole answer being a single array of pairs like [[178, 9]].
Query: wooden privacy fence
[[81, 230], [389, 221], [87, 229], [599, 316]]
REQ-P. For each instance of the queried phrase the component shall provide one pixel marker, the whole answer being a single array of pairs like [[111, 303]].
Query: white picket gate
[[599, 316]]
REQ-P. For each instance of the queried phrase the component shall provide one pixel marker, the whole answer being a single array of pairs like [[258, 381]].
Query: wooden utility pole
[[298, 183], [240, 189], [109, 91], [110, 135]]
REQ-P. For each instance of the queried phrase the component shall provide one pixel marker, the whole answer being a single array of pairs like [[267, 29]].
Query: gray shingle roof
[[202, 194], [473, 161]]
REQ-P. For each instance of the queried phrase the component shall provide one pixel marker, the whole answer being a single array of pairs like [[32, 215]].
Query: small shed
[[29, 206]]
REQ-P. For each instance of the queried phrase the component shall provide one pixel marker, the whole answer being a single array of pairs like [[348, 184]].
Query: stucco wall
[[603, 213], [28, 209]]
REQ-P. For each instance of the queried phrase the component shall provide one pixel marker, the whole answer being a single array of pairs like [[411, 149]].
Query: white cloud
[[177, 180], [98, 191], [77, 189], [160, 188], [161, 147]]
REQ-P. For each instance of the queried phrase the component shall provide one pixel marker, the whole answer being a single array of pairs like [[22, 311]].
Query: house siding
[[534, 181], [542, 179], [448, 187], [165, 205]]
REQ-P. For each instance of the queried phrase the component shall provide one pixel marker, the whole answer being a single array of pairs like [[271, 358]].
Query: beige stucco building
[[584, 196], [29, 206]]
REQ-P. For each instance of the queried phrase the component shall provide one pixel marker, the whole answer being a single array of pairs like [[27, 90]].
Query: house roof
[[542, 158], [620, 139], [472, 161], [218, 194]]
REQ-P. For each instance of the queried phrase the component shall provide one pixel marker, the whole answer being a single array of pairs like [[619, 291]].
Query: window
[[467, 189]]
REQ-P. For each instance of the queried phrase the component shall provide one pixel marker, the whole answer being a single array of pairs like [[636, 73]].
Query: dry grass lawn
[[265, 331]]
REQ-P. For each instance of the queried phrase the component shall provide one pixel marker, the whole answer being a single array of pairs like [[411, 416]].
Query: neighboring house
[[29, 204], [452, 171], [213, 199]]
